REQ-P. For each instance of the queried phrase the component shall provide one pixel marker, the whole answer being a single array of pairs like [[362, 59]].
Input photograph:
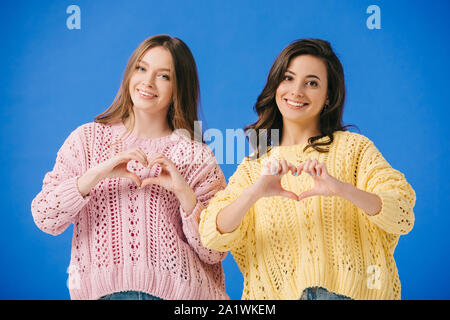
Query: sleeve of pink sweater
[[206, 181], [59, 201]]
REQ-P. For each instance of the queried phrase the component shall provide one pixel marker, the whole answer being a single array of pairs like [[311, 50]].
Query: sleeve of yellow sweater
[[210, 236], [375, 175]]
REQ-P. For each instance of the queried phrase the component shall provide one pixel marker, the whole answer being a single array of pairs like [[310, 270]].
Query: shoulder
[[89, 134], [78, 133], [96, 132], [352, 140], [349, 137], [195, 153], [352, 145], [96, 127], [248, 169], [89, 127]]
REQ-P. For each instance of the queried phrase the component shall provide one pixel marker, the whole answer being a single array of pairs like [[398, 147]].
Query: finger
[[161, 163], [128, 157], [323, 169], [275, 167], [299, 170], [289, 195], [266, 171], [133, 177], [154, 157], [311, 168], [306, 194], [151, 180], [158, 160], [144, 156], [163, 160], [314, 163], [318, 170], [306, 167], [292, 168], [284, 167]]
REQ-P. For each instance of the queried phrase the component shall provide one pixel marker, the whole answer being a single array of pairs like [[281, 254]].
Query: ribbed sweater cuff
[[69, 198], [192, 219], [210, 235], [390, 218]]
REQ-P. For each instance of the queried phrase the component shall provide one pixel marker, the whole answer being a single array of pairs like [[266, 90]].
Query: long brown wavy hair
[[269, 116], [183, 110]]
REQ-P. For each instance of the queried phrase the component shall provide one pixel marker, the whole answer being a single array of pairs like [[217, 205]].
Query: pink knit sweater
[[127, 238]]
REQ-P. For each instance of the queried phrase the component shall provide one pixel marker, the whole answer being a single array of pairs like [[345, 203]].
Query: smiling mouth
[[295, 104], [146, 94]]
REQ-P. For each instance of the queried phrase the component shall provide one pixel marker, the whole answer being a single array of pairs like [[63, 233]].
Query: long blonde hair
[[183, 111]]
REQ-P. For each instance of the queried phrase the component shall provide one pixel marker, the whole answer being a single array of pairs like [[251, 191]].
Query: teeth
[[145, 93], [294, 104]]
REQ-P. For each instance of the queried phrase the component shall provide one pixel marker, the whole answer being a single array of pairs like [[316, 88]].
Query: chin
[[293, 116], [149, 109]]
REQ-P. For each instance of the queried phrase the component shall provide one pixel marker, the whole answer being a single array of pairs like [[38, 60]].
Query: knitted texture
[[283, 246], [128, 238]]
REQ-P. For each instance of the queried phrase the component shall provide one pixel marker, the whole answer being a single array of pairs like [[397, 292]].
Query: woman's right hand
[[115, 167], [269, 183]]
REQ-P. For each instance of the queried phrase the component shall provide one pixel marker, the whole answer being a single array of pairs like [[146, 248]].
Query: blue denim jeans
[[319, 293], [129, 295]]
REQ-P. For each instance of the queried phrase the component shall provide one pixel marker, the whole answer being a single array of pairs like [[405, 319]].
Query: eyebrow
[[162, 69], [308, 76]]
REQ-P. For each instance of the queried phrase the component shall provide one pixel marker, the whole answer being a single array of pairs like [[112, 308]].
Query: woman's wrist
[[230, 217], [370, 203], [88, 180], [187, 198], [254, 192]]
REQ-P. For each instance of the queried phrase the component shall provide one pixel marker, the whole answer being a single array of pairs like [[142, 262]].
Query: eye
[[287, 78], [165, 76], [139, 68], [312, 83]]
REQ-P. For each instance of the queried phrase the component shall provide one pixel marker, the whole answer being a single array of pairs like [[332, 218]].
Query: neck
[[294, 133], [149, 126]]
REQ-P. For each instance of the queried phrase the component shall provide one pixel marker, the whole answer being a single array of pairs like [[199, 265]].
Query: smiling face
[[302, 93], [151, 84]]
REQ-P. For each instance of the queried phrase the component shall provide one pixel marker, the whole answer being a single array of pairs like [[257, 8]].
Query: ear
[[327, 101]]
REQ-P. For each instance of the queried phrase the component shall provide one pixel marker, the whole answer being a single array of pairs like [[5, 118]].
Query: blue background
[[54, 79]]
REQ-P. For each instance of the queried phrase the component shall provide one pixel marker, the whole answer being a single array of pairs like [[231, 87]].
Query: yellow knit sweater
[[283, 246]]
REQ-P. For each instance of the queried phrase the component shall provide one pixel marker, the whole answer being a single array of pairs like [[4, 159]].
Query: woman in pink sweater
[[134, 187]]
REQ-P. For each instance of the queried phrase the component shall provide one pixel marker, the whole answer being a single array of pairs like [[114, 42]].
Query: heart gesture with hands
[[169, 178], [116, 167], [269, 183], [324, 183]]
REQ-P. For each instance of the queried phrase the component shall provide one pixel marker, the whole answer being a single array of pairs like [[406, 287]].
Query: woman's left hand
[[324, 183], [171, 179]]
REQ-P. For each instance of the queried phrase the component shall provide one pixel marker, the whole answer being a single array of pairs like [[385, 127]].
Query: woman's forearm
[[88, 180], [369, 202], [230, 217]]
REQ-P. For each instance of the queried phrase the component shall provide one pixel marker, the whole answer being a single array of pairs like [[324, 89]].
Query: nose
[[297, 91], [149, 81]]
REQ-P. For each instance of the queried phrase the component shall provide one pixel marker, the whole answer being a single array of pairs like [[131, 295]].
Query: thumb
[[133, 177], [151, 180], [289, 194], [307, 194]]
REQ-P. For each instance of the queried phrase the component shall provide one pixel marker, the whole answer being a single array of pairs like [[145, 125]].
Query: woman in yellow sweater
[[327, 234]]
